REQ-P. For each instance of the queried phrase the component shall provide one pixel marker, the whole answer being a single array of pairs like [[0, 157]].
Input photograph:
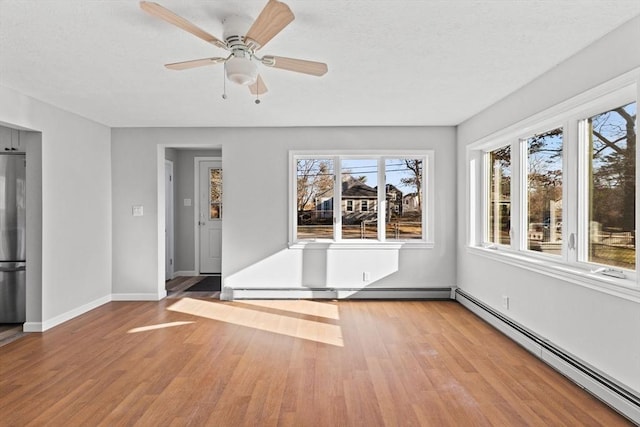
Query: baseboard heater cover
[[340, 293], [617, 396]]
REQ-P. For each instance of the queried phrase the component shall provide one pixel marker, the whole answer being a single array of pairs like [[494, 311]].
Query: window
[[544, 192], [381, 198], [403, 196], [358, 180], [314, 198], [499, 205], [560, 188], [215, 193], [612, 195], [349, 204]]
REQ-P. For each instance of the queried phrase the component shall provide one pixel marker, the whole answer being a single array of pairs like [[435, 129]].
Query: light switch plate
[[138, 211], [187, 202]]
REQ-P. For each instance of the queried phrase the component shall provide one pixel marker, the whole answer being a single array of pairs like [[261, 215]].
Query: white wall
[[33, 146], [255, 196], [599, 328], [76, 209]]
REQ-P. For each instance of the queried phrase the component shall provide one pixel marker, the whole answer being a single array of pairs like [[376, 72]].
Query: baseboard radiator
[[339, 293], [618, 397]]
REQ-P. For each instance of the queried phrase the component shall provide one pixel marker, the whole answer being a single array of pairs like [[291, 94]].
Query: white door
[[168, 228], [210, 216]]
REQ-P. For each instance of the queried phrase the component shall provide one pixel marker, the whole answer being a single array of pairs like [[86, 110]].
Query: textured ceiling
[[390, 62]]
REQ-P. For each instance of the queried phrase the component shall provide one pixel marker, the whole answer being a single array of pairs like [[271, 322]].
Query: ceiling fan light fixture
[[242, 71]]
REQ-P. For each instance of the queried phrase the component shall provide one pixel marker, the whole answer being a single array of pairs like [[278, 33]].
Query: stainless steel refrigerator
[[12, 238]]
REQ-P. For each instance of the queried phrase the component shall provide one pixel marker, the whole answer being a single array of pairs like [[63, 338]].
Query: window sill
[[622, 288], [360, 244]]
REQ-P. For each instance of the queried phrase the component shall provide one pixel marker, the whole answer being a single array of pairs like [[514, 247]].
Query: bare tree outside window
[[612, 233], [544, 192], [215, 193], [373, 198], [499, 207], [315, 181], [403, 190]]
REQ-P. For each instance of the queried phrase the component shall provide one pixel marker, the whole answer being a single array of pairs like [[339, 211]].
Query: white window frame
[[428, 178], [522, 152], [486, 185], [570, 116]]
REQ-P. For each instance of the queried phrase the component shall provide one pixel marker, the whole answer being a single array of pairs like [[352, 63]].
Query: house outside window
[[382, 198]]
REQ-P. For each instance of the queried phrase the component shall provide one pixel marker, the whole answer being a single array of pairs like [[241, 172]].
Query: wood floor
[[190, 361]]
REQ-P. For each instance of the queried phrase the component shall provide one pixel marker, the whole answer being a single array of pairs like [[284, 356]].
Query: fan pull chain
[[257, 101], [224, 81]]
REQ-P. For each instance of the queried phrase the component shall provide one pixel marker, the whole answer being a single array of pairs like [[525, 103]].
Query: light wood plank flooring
[[190, 361]]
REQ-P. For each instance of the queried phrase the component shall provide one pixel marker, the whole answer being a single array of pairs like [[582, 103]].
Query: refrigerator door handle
[[12, 269]]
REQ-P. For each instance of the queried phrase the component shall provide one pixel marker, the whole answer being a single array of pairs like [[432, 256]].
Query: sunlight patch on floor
[[275, 323], [158, 326], [311, 308]]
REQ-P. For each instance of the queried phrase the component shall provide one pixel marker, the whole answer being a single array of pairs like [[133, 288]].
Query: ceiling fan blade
[[297, 65], [273, 18], [184, 65], [258, 88], [165, 14]]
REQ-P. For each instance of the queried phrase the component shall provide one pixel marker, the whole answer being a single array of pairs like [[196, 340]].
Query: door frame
[[169, 220], [196, 205]]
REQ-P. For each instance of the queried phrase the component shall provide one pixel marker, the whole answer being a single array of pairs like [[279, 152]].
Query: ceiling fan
[[241, 65]]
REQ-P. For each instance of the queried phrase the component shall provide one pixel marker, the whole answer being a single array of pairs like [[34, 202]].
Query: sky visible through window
[[395, 170], [612, 125]]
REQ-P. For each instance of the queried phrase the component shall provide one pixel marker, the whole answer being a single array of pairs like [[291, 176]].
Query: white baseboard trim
[[55, 321], [32, 327], [616, 395], [184, 273], [137, 297], [234, 293]]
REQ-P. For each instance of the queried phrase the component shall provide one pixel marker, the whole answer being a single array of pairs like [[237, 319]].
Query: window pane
[[612, 200], [359, 186], [349, 205], [544, 192], [315, 180], [403, 189], [500, 195], [215, 193]]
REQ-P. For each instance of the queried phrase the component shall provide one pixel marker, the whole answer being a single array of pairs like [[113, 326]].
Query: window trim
[[486, 185], [428, 176], [523, 244], [570, 115]]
